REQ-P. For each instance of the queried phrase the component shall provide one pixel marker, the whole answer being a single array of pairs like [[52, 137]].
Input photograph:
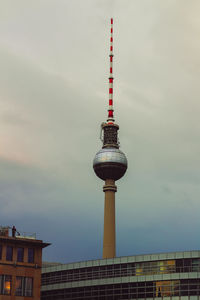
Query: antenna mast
[[110, 119]]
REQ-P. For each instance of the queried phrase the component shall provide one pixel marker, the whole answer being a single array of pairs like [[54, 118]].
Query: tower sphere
[[110, 163]]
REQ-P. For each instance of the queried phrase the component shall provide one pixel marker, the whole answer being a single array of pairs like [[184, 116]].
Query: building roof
[[21, 240], [123, 259]]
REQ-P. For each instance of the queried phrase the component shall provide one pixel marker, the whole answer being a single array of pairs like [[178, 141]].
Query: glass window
[[167, 288], [179, 265], [155, 267], [0, 251], [20, 254], [187, 265], [28, 291], [141, 289], [184, 288], [19, 286], [193, 287], [24, 286], [149, 289], [30, 255], [9, 253], [167, 266], [196, 265], [131, 269], [138, 270], [163, 289], [6, 285]]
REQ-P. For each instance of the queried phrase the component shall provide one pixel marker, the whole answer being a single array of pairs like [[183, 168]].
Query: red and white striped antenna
[[110, 119]]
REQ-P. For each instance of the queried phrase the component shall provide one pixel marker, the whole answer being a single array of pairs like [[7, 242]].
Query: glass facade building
[[174, 276]]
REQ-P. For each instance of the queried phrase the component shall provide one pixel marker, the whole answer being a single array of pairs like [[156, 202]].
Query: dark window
[[20, 254], [9, 253], [184, 288], [24, 286], [28, 291], [187, 265], [0, 251], [149, 289], [141, 289], [179, 265], [30, 255], [19, 286]]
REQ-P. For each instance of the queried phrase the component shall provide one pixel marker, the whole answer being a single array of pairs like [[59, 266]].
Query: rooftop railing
[[26, 235], [8, 231]]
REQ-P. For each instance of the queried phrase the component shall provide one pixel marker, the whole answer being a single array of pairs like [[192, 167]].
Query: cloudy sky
[[53, 97]]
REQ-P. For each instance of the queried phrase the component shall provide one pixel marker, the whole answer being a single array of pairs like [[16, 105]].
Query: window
[[19, 286], [9, 253], [195, 265], [167, 288], [24, 286], [5, 284], [20, 254], [0, 251], [28, 291], [30, 255], [155, 267], [187, 265]]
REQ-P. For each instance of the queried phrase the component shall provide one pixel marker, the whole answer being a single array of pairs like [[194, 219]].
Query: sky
[[53, 98]]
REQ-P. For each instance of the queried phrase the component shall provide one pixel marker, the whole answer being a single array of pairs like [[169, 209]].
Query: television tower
[[110, 164]]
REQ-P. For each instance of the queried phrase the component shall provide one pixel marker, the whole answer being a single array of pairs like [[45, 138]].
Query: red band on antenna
[[110, 110]]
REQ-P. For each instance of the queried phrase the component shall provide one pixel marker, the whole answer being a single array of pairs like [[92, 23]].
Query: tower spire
[[110, 110]]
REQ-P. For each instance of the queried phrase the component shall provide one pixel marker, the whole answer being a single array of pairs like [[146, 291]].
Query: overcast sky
[[54, 69]]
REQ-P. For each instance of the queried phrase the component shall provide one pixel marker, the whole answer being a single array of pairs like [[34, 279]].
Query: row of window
[[119, 270], [23, 285], [20, 254], [128, 290]]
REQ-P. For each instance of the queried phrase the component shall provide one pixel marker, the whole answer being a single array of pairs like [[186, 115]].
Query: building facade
[[20, 265], [175, 276]]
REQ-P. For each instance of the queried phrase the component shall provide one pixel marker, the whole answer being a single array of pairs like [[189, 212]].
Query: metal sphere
[[110, 163]]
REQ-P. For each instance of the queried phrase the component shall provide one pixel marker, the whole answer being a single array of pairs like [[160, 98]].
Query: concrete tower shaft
[[110, 164], [109, 234]]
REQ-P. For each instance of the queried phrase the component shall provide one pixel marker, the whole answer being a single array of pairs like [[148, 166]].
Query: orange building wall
[[23, 269]]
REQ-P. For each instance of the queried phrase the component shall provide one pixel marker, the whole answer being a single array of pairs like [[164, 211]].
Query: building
[[175, 276], [20, 265]]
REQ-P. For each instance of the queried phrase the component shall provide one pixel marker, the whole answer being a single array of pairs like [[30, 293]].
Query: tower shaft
[[109, 237]]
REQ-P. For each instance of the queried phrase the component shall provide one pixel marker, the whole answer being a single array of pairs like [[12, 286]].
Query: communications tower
[[110, 164]]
